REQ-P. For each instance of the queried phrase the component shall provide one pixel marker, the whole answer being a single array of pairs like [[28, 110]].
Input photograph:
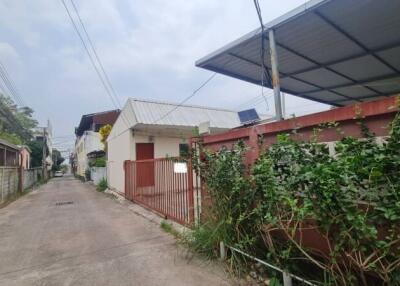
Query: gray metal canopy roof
[[337, 52]]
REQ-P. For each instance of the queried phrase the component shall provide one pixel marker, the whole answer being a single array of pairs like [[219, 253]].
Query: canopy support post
[[275, 76]]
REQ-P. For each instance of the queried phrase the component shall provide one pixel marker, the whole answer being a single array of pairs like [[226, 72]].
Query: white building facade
[[88, 138], [90, 141], [143, 131]]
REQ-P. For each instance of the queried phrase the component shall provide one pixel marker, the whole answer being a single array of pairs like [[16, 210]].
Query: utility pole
[[20, 173], [275, 76], [44, 155]]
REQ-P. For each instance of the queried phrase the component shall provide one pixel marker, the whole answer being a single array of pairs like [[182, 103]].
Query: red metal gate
[[171, 195]]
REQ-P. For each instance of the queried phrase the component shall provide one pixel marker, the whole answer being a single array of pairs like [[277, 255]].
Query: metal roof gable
[[153, 113]]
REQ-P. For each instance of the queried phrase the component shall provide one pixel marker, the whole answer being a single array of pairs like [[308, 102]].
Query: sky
[[148, 49]]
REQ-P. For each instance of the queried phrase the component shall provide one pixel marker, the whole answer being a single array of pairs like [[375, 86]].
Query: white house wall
[[163, 146], [119, 148], [93, 141], [123, 147], [88, 142]]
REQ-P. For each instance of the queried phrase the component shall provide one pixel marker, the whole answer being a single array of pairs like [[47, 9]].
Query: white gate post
[[287, 279], [222, 250]]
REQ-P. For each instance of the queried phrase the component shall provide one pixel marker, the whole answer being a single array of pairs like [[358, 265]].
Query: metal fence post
[[287, 279], [222, 250], [2, 187], [20, 176]]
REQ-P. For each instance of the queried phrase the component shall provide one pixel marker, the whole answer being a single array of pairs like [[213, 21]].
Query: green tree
[[37, 153], [24, 116], [16, 124], [9, 137], [58, 159]]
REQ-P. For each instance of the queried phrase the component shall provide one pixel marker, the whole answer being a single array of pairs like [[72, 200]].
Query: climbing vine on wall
[[340, 213]]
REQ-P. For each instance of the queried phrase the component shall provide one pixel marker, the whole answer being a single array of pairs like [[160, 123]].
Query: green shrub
[[55, 168], [87, 174], [169, 228], [351, 199], [102, 185], [98, 162]]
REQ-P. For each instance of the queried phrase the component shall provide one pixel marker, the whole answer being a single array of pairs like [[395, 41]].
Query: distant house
[[148, 129], [88, 140], [45, 134], [9, 154]]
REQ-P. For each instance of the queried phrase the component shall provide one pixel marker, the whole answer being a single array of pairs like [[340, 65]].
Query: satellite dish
[[248, 116]]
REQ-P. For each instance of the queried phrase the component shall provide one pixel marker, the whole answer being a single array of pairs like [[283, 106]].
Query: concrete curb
[[146, 213]]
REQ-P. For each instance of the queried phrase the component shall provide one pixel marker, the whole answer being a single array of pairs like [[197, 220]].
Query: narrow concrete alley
[[66, 233]]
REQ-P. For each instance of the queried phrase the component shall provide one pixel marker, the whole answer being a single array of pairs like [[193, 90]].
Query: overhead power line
[[203, 84], [264, 70], [103, 77], [64, 136], [10, 85], [12, 123], [96, 55], [254, 101], [16, 91], [197, 90], [6, 85], [187, 98]]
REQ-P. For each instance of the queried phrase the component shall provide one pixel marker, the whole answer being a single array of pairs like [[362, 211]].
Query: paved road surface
[[94, 241]]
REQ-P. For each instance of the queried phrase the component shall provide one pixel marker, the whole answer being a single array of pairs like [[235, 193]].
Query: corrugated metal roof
[[10, 145], [333, 51], [104, 117], [153, 113]]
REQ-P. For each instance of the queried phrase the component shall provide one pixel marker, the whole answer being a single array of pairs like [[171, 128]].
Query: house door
[[145, 169]]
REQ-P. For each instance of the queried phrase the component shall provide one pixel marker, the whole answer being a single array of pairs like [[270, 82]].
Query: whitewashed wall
[[89, 141], [97, 174], [119, 149]]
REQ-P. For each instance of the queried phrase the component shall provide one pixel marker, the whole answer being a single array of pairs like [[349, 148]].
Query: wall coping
[[365, 109]]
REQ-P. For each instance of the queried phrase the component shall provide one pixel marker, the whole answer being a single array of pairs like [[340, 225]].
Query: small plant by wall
[[102, 185], [299, 207], [87, 174]]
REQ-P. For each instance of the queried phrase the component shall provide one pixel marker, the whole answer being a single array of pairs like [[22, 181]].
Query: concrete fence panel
[[8, 183], [97, 174], [31, 176]]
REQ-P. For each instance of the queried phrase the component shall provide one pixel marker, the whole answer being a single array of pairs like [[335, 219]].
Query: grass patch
[[168, 228], [203, 240]]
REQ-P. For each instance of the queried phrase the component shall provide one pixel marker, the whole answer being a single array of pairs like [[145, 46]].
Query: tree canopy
[[16, 123], [58, 159], [37, 153]]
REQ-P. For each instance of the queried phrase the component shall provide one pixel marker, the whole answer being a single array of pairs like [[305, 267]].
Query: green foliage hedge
[[98, 162], [351, 201]]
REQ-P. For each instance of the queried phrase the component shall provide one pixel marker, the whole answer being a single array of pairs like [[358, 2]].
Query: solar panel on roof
[[248, 116]]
